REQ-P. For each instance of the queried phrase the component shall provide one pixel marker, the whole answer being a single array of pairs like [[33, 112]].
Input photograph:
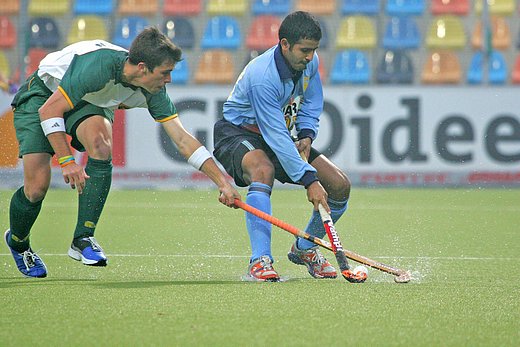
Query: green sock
[[22, 215], [94, 196]]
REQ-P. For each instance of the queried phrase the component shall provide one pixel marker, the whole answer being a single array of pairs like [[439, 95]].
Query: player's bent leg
[[95, 134], [24, 209]]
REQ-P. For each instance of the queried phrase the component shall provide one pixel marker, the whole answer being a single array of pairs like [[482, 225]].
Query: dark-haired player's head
[[153, 48], [300, 35], [299, 25]]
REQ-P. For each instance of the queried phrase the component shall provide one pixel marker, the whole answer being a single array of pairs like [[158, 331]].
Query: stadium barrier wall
[[381, 136]]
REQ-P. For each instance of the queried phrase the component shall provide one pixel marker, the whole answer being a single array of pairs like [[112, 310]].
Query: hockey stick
[[402, 276], [337, 248]]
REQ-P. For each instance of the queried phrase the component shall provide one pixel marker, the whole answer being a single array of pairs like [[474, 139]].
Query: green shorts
[[30, 97]]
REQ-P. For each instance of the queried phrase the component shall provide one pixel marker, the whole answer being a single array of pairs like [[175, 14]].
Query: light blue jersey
[[265, 95]]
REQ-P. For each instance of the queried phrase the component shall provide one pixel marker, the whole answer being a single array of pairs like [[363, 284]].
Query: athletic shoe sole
[[77, 255]]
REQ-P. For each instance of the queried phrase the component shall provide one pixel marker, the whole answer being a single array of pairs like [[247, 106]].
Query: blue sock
[[259, 196], [315, 226]]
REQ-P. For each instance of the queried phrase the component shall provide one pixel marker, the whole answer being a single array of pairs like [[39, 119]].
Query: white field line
[[276, 256], [370, 207]]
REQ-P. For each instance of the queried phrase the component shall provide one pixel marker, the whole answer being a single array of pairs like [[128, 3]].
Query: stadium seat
[[180, 31], [442, 67], [446, 32], [181, 73], [496, 69], [497, 7], [182, 7], [500, 34], [322, 7], [252, 55], [356, 32], [99, 7], [515, 75], [272, 7], [405, 7], [5, 68], [215, 67], [127, 28], [263, 32], [8, 38], [350, 66], [396, 67], [226, 7], [9, 7], [221, 32], [44, 33], [48, 7], [324, 42], [455, 7], [89, 27], [322, 71], [33, 58], [366, 7], [401, 33], [138, 7]]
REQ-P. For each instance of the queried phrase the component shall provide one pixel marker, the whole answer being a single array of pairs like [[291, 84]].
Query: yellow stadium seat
[[9, 6], [49, 7], [498, 7], [215, 67], [442, 67], [227, 7], [5, 69], [321, 7], [87, 28], [356, 32], [138, 7], [500, 34], [446, 32]]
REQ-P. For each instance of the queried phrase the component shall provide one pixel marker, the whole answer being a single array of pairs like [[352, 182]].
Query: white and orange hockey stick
[[401, 276]]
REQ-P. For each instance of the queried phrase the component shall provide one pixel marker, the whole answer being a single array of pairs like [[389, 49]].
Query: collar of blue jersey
[[284, 70]]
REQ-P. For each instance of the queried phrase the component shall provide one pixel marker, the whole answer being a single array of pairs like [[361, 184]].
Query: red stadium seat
[[263, 32], [7, 33], [182, 7], [442, 67], [456, 7], [515, 76], [33, 59]]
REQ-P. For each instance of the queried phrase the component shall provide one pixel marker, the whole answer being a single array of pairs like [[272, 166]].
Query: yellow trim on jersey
[[168, 118], [64, 93]]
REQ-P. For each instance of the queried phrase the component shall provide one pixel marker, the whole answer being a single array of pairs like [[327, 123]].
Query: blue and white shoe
[[88, 251], [28, 262]]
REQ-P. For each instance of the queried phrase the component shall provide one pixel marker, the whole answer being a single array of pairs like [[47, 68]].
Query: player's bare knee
[[100, 148], [263, 172], [35, 193], [339, 188]]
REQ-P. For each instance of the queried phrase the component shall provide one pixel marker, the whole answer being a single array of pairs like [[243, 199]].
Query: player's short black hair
[[299, 25], [153, 48]]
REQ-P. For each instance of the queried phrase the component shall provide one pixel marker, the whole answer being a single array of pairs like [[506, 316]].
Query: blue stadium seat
[[350, 66], [181, 72], [275, 7], [221, 32], [496, 68], [367, 7], [180, 31], [44, 33], [405, 7], [98, 7], [401, 33], [396, 67], [127, 28]]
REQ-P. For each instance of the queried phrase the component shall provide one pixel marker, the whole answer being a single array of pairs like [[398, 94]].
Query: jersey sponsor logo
[[290, 111]]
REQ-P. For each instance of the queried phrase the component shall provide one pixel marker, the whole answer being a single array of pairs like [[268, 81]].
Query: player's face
[[299, 54], [154, 81]]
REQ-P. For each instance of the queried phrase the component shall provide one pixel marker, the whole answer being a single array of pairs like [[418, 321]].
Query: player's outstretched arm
[[53, 125], [201, 159]]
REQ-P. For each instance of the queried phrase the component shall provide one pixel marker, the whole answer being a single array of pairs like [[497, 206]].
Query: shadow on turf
[[150, 284]]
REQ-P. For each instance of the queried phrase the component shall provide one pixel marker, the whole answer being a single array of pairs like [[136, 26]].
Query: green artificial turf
[[176, 259]]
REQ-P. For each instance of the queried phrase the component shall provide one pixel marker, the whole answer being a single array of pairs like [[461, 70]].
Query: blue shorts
[[231, 144]]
